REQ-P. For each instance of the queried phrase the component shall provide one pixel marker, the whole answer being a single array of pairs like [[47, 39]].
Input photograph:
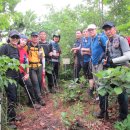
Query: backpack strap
[[120, 45], [100, 43]]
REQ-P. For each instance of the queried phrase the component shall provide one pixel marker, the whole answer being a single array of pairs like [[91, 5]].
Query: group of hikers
[[92, 52], [34, 53]]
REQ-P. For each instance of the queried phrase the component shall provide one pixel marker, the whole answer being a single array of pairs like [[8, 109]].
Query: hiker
[[77, 55], [98, 45], [116, 47], [35, 55], [86, 57], [48, 54], [11, 51], [24, 78], [56, 57], [83, 56]]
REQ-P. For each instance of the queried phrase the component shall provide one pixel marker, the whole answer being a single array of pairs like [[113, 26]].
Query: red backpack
[[128, 39]]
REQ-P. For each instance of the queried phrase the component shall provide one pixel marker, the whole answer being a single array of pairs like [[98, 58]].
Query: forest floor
[[71, 116]]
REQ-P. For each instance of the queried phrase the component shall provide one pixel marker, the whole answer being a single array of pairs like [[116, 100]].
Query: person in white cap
[[98, 45]]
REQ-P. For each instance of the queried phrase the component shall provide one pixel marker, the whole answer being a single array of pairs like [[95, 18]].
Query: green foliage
[[69, 118], [73, 91], [119, 13], [125, 125], [5, 64], [7, 12], [49, 68], [113, 80]]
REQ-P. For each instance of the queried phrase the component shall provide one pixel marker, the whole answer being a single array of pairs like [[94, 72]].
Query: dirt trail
[[45, 118], [49, 118]]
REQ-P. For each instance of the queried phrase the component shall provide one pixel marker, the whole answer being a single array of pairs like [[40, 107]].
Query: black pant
[[11, 92], [50, 80], [87, 69], [55, 73], [123, 104], [36, 79], [29, 88]]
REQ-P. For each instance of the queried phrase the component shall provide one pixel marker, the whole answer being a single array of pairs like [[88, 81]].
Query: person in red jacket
[[24, 73]]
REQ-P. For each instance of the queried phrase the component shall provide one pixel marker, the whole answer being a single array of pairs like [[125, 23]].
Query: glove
[[111, 63]]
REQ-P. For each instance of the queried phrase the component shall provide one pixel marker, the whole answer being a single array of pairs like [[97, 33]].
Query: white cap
[[92, 26]]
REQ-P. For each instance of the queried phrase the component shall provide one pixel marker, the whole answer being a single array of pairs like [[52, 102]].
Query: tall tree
[[7, 12]]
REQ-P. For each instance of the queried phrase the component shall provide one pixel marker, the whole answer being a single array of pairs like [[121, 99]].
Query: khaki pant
[[95, 69]]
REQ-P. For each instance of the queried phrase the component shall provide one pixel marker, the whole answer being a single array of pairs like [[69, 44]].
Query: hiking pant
[[123, 104], [36, 79], [50, 80], [55, 74], [87, 70], [77, 68], [28, 86], [11, 92], [95, 69]]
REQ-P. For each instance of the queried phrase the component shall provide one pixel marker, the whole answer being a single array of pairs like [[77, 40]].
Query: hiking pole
[[0, 111], [29, 96]]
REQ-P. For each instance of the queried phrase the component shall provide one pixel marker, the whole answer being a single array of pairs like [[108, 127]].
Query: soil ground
[[49, 117]]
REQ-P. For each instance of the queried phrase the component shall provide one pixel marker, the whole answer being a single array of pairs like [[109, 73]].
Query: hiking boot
[[42, 102], [18, 118], [101, 115], [53, 90], [37, 106], [12, 125], [29, 105]]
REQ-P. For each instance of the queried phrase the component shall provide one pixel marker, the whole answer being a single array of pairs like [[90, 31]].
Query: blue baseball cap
[[108, 24], [23, 36], [34, 34]]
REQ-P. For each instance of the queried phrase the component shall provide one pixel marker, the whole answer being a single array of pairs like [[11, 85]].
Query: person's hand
[[51, 53], [26, 76], [104, 61], [75, 51], [57, 54], [111, 63]]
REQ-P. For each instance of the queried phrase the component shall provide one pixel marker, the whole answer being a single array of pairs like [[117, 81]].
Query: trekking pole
[[29, 96], [0, 111], [43, 77]]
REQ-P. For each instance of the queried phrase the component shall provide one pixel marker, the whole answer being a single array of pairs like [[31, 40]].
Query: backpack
[[30, 51], [100, 42], [104, 50], [128, 39]]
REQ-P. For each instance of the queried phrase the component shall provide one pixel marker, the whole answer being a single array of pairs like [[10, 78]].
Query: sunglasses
[[15, 37]]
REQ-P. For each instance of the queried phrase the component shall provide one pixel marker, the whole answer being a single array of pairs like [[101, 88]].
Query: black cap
[[34, 34], [56, 35], [108, 24], [14, 33]]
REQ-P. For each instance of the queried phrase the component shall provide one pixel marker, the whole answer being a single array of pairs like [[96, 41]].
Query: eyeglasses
[[23, 40], [89, 30], [15, 37]]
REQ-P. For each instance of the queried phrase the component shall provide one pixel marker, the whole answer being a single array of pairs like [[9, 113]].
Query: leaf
[[64, 114], [101, 91], [118, 90]]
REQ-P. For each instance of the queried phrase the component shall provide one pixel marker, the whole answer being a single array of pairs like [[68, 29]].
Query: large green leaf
[[118, 90]]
